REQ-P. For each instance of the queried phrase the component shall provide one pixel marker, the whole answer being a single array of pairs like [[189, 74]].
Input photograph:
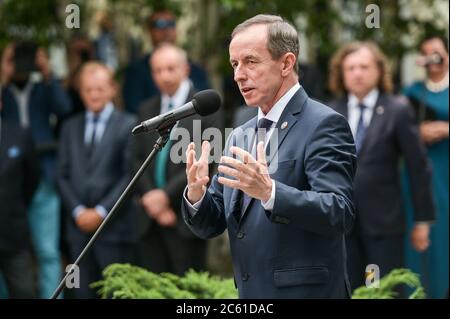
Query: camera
[[431, 59], [25, 59]]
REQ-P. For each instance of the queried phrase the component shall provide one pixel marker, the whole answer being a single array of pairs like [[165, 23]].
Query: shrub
[[126, 281], [388, 284]]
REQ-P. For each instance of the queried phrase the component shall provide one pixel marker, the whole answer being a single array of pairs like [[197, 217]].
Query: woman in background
[[430, 101]]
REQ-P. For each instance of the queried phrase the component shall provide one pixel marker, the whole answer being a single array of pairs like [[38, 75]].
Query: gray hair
[[282, 37]]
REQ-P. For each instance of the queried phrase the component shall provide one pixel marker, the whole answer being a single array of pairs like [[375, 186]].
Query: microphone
[[205, 102]]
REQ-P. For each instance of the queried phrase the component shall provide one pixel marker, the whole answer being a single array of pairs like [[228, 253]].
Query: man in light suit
[[167, 244], [286, 228], [94, 167], [385, 134]]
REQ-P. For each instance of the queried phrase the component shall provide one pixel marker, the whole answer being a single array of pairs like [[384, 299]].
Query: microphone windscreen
[[206, 102]]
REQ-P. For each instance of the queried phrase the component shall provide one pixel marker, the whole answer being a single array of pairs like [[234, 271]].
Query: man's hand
[[420, 237], [197, 172], [167, 218], [433, 132], [43, 63], [89, 220], [252, 176], [155, 202]]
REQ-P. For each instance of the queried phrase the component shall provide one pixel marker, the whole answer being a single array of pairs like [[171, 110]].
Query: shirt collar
[[369, 101], [26, 89], [275, 112], [180, 96], [103, 115]]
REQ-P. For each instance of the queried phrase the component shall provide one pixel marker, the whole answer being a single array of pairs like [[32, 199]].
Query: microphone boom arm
[[164, 133]]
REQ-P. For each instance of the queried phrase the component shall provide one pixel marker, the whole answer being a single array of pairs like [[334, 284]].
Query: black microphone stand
[[164, 134]]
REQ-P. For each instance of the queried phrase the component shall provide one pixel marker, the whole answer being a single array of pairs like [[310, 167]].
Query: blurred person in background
[[19, 177], [167, 244], [430, 101], [384, 132], [138, 82], [80, 50], [34, 99], [94, 167]]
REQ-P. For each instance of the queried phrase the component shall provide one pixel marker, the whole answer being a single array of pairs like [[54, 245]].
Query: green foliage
[[124, 281], [389, 282], [29, 20]]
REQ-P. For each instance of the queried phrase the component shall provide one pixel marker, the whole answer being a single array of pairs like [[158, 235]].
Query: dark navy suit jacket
[[391, 136], [100, 179], [298, 249]]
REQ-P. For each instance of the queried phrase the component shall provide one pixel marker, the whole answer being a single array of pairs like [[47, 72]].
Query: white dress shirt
[[22, 97], [103, 118], [354, 111]]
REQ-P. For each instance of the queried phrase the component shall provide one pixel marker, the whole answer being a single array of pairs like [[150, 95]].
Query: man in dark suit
[[286, 212], [94, 167], [167, 245], [138, 82], [19, 177], [385, 134]]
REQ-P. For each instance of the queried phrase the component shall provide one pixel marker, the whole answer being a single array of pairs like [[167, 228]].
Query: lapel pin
[[284, 125], [380, 110]]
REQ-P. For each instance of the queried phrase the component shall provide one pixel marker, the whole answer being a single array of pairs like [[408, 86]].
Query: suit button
[[245, 276], [240, 235]]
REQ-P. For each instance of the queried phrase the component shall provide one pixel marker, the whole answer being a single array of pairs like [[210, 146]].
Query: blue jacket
[[297, 250], [46, 100]]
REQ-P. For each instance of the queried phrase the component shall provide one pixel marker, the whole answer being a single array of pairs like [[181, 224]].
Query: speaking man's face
[[256, 73], [360, 72]]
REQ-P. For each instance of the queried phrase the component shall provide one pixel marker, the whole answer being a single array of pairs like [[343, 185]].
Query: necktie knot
[[265, 123], [362, 107]]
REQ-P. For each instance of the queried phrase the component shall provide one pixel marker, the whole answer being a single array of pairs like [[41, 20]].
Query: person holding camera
[[430, 101], [33, 98]]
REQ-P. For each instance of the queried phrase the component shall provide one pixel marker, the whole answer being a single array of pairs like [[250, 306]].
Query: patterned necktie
[[262, 128], [361, 129], [160, 172]]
